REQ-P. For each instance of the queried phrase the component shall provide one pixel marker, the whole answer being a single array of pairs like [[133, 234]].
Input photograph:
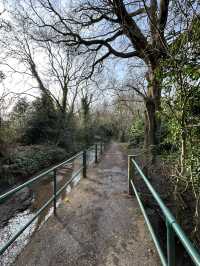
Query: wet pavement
[[20, 213], [97, 224]]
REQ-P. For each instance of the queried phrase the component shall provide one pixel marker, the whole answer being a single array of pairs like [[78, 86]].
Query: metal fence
[[173, 228], [56, 192]]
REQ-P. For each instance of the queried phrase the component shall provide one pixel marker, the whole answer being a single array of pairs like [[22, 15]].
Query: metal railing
[[173, 228], [56, 192]]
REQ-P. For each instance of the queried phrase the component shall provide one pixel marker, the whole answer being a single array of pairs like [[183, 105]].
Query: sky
[[19, 84]]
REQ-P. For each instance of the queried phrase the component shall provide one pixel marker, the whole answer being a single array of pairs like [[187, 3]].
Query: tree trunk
[[146, 134], [150, 141], [152, 103]]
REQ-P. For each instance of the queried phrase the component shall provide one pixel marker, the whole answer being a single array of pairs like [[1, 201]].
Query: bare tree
[[112, 28], [57, 72]]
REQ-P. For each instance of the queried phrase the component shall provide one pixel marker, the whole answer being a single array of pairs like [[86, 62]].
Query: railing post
[[170, 245], [96, 155], [130, 173], [84, 163], [54, 191], [101, 148]]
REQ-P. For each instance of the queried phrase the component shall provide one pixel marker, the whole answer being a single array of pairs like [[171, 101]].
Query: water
[[14, 225], [42, 190]]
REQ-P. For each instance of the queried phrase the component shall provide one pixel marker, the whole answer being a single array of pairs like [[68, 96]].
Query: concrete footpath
[[100, 225]]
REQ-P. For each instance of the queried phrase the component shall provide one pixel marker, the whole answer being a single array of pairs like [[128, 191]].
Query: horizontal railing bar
[[68, 182], [34, 179], [194, 255], [155, 240], [9, 193], [38, 213], [192, 252], [158, 199], [2, 250]]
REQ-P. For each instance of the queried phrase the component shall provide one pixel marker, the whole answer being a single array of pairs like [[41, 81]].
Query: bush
[[137, 132], [27, 160]]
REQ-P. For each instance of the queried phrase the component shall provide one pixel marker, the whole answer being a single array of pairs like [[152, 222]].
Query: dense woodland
[[77, 72]]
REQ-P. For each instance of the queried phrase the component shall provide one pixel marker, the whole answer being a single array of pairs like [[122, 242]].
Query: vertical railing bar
[[130, 174], [84, 163], [170, 244], [54, 191], [101, 150], [96, 155]]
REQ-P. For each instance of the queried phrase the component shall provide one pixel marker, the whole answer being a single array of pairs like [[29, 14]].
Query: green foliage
[[137, 131], [180, 75], [42, 122], [7, 135], [193, 163], [27, 160], [86, 128], [67, 133], [181, 102], [18, 118]]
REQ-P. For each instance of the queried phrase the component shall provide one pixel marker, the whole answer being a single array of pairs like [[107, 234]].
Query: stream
[[42, 190]]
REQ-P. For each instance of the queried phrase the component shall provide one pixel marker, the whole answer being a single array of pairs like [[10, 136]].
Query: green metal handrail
[[56, 192], [173, 228]]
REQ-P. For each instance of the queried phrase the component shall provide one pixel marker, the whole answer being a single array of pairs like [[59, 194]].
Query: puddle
[[42, 191]]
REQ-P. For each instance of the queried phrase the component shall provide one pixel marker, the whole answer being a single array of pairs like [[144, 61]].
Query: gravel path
[[99, 224]]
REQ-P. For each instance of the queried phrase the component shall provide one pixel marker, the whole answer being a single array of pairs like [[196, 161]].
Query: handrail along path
[[56, 193], [173, 228]]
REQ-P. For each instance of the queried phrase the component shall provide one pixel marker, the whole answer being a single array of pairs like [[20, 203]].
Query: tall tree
[[114, 28], [110, 28], [56, 71]]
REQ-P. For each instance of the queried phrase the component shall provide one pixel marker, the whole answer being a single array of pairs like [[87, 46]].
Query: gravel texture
[[98, 224]]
